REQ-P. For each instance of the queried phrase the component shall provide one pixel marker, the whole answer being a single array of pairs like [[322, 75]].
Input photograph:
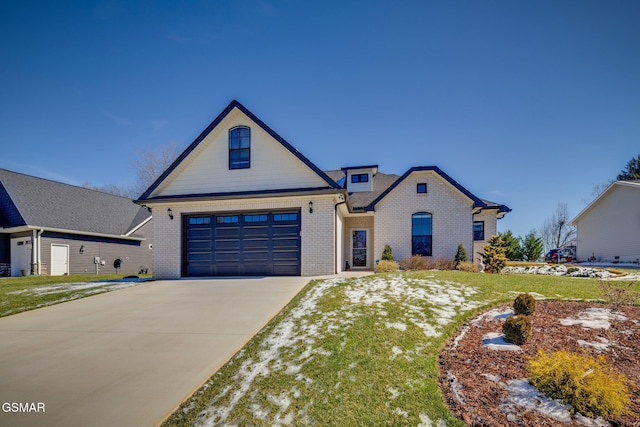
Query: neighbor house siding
[[451, 222], [134, 254], [317, 230], [206, 169], [611, 227]]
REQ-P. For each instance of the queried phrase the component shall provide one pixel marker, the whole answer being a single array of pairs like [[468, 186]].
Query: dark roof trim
[[216, 122], [346, 168], [476, 201], [245, 194]]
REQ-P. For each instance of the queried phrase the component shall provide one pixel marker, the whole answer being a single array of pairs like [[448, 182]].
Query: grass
[[18, 294], [359, 352]]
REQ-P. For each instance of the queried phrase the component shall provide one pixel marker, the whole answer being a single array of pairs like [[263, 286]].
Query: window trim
[[413, 235], [239, 164], [418, 187]]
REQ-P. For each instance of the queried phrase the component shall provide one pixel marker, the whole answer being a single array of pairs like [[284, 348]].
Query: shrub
[[385, 266], [494, 255], [461, 254], [524, 304], [387, 254], [442, 264], [467, 266], [590, 385], [517, 329], [415, 262]]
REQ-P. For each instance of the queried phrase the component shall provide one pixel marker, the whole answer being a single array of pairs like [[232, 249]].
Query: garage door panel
[[243, 244]]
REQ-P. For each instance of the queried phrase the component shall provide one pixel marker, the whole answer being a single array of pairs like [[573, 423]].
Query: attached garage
[[242, 244]]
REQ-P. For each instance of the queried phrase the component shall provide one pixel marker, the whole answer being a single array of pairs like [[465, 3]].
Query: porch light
[[310, 207], [170, 213]]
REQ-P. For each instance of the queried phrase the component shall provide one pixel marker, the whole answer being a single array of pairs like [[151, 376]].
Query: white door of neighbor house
[[20, 256], [359, 248], [59, 260]]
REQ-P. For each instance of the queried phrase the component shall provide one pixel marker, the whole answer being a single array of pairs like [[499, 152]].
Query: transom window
[[478, 230], [231, 219], [421, 231], [239, 147], [421, 187], [360, 177], [285, 217]]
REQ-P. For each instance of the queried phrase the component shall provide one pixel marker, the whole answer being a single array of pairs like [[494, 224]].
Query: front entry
[[359, 248]]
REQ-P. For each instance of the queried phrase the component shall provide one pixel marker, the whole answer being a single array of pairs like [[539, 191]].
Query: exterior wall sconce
[[310, 207], [170, 213], [82, 249]]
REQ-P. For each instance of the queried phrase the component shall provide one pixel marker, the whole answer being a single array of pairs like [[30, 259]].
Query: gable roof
[[360, 200], [631, 184], [331, 184], [29, 201]]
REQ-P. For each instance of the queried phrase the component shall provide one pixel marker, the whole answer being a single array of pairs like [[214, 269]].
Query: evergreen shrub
[[591, 385], [524, 304], [517, 329]]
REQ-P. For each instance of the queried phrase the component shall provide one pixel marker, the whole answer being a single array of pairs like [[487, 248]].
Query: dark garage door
[[243, 244]]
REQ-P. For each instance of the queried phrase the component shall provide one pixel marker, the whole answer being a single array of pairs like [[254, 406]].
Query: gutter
[[74, 232]]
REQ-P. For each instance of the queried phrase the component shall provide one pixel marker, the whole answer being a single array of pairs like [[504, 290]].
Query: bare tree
[[556, 231], [150, 164]]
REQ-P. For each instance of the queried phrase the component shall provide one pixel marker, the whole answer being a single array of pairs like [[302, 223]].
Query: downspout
[[39, 251], [335, 233]]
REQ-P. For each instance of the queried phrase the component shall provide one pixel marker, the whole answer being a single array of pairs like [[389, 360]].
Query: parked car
[[559, 256]]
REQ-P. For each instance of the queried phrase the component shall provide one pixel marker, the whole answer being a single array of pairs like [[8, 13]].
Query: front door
[[359, 248]]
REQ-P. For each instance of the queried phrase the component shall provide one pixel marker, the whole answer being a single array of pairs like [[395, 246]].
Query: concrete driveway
[[129, 357]]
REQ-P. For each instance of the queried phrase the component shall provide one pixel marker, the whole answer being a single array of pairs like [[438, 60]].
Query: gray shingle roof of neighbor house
[[27, 200]]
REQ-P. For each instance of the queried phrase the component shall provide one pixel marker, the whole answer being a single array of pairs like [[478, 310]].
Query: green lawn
[[359, 352], [18, 294]]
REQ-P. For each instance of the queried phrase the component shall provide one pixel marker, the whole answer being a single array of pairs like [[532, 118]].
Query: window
[[422, 187], [255, 218], [239, 147], [285, 217], [200, 220], [232, 219], [421, 234], [478, 230], [360, 177]]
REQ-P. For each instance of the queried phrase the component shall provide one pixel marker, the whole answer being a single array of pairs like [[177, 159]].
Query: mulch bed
[[477, 398]]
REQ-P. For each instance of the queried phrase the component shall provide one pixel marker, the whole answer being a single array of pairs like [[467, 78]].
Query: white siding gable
[[206, 169]]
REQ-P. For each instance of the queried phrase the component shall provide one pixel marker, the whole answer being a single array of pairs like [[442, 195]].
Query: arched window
[[421, 234], [239, 147]]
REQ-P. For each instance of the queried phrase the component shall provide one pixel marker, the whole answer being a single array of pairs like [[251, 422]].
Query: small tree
[[387, 254], [494, 255], [532, 247], [632, 171], [513, 251], [461, 255]]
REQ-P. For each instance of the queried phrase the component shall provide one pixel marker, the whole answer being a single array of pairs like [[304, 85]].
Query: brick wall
[[451, 222]]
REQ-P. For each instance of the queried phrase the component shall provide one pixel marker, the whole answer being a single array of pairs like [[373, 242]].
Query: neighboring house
[[51, 228], [240, 200], [608, 229]]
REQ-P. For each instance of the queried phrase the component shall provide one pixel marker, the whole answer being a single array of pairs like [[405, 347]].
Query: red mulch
[[467, 360]]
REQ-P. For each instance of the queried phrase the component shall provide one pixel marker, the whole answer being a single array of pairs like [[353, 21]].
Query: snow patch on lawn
[[593, 318], [496, 341], [558, 270]]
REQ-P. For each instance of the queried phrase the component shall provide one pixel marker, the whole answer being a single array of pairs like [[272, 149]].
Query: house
[[51, 228], [240, 200], [608, 229]]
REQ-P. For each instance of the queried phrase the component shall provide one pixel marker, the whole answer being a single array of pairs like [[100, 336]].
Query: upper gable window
[[239, 147], [360, 177], [421, 188]]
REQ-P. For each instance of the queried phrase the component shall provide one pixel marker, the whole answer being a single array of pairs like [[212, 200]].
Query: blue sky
[[525, 103]]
